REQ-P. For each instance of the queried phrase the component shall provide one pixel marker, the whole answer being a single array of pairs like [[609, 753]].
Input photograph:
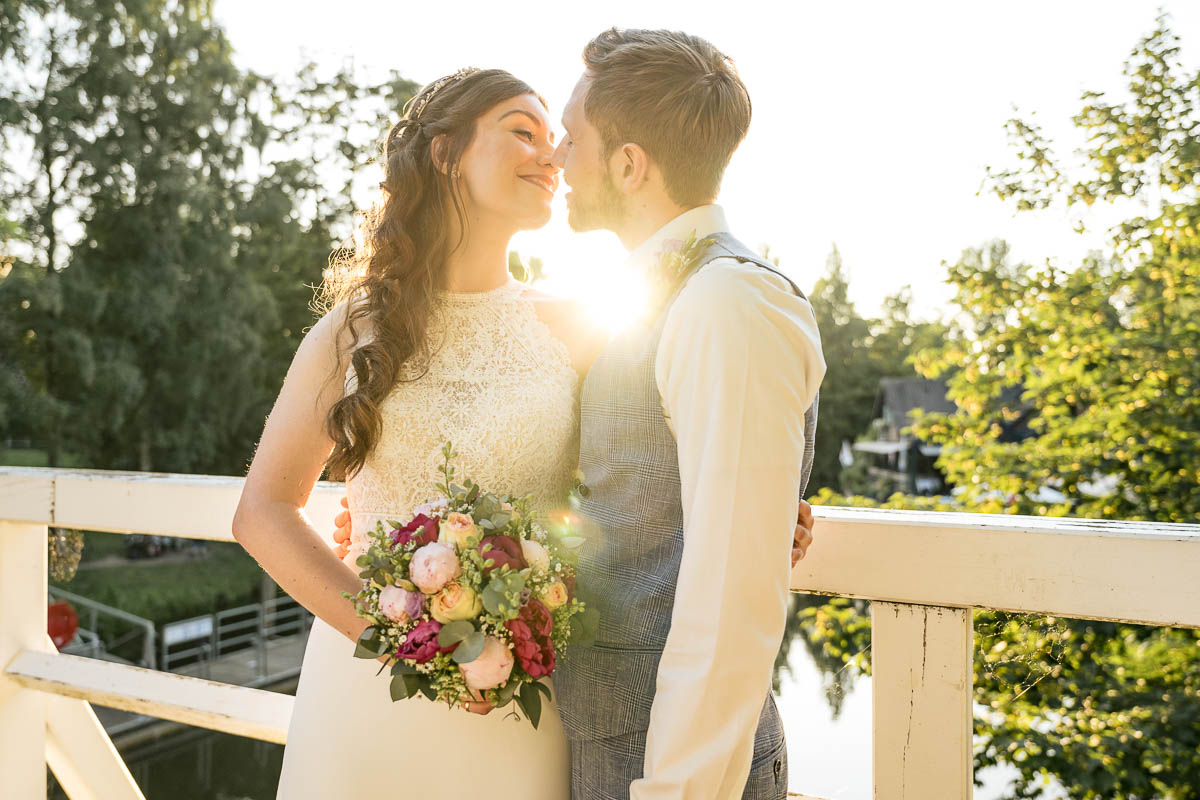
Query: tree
[[202, 204], [859, 351], [1102, 362]]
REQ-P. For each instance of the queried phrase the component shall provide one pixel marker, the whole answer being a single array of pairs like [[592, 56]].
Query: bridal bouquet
[[472, 598]]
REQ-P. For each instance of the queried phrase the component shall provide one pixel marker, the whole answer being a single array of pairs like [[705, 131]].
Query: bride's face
[[505, 171]]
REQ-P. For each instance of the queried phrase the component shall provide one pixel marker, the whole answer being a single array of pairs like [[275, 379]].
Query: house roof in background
[[898, 396]]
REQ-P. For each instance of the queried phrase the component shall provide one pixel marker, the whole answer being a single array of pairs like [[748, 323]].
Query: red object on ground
[[62, 623]]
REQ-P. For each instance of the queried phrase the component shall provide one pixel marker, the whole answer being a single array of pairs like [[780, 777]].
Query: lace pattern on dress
[[498, 385]]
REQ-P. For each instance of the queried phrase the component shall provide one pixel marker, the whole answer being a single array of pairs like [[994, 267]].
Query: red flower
[[503, 550], [421, 529], [421, 643], [531, 639]]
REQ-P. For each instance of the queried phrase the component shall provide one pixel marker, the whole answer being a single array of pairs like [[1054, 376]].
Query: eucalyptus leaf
[[492, 599], [469, 649], [454, 632], [401, 667], [399, 688], [412, 684]]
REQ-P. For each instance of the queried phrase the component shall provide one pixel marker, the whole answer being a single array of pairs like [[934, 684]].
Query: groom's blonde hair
[[675, 95]]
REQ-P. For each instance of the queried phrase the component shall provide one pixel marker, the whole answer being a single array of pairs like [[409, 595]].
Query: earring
[[455, 174]]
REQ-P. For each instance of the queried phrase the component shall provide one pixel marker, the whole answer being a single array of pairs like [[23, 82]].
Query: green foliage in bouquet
[[511, 589]]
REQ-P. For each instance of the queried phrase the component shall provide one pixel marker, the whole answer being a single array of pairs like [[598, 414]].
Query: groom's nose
[[559, 158]]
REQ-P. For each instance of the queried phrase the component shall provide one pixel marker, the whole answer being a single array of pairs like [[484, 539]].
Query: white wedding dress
[[502, 389]]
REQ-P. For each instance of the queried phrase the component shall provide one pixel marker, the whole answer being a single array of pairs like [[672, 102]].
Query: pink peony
[[491, 669], [433, 566], [400, 605]]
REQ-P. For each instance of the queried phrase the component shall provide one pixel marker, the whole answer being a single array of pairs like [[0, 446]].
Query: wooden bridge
[[924, 572]]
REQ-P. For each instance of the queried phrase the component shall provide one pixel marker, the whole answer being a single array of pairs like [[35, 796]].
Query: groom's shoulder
[[734, 283]]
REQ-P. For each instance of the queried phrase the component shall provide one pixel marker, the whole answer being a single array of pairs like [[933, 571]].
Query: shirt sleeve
[[737, 366]]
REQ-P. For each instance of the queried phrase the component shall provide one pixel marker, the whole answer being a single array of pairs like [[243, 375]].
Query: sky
[[874, 122]]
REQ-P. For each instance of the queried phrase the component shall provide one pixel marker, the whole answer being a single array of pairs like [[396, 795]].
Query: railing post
[[921, 687], [23, 588]]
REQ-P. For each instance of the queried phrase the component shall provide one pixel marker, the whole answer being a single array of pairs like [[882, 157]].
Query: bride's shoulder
[[570, 322]]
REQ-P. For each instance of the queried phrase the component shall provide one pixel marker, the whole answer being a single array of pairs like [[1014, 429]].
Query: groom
[[696, 438]]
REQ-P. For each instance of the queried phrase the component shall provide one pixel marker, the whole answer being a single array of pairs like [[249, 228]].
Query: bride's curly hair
[[390, 278]]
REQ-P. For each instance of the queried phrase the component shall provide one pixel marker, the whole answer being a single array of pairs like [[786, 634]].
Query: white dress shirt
[[737, 366]]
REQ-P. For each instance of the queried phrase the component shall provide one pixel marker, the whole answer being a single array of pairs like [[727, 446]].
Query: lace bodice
[[499, 386]]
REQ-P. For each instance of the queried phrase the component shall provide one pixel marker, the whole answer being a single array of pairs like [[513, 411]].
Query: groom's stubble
[[604, 208]]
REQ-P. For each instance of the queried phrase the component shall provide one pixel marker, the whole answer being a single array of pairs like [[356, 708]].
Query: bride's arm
[[270, 522]]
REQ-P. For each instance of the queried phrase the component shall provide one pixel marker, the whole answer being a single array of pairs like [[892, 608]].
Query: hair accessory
[[415, 113]]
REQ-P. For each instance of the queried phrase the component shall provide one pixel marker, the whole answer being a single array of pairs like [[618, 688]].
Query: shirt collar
[[704, 220]]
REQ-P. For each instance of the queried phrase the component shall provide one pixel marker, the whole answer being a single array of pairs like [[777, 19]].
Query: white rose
[[535, 555]]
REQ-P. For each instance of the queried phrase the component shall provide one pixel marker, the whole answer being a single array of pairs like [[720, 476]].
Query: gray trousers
[[602, 769]]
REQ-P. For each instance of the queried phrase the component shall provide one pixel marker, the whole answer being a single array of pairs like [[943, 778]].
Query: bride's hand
[[480, 706], [342, 534]]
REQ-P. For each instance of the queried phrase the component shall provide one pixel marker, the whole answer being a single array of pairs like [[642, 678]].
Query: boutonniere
[[677, 259]]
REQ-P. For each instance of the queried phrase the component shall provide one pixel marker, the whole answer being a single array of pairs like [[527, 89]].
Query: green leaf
[[395, 524], [492, 598], [399, 688], [402, 667], [412, 684], [454, 632], [531, 701], [369, 644], [469, 649], [506, 692], [427, 689]]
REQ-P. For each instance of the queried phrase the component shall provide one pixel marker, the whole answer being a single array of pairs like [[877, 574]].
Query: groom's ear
[[632, 167]]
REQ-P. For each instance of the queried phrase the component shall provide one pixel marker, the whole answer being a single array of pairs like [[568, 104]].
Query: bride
[[429, 340]]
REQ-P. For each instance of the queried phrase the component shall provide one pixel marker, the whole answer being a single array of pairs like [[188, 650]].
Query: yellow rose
[[554, 595], [455, 602], [457, 528]]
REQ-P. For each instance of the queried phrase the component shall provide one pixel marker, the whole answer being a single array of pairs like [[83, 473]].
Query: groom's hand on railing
[[342, 535], [802, 537]]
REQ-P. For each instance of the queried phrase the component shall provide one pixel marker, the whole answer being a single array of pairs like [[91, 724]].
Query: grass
[[164, 592]]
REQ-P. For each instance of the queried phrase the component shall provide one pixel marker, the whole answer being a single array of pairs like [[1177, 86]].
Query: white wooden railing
[[925, 572]]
